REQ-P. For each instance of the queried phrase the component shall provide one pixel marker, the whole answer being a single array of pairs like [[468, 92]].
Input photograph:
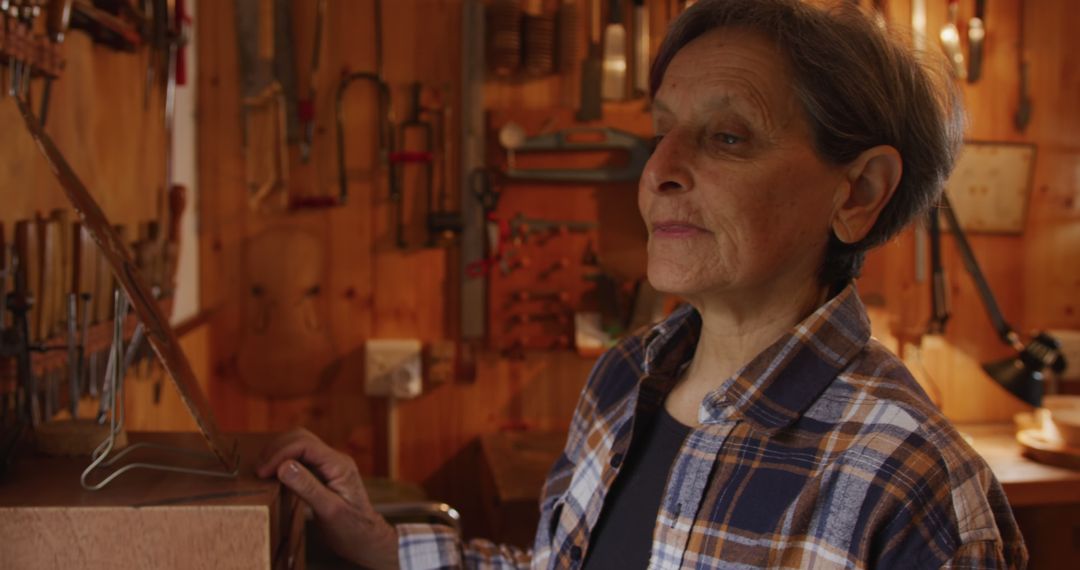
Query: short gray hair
[[860, 87]]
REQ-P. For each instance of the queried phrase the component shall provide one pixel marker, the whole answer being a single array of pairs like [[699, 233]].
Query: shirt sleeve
[[988, 554], [431, 547]]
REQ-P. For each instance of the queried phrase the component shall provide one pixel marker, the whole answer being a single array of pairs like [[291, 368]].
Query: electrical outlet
[[393, 367]]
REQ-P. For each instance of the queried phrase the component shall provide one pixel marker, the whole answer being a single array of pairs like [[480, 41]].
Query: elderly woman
[[760, 425]]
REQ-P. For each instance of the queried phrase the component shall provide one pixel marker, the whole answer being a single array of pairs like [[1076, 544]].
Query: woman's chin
[[675, 280]]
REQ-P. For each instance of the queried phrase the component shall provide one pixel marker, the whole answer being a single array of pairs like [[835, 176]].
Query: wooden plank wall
[[371, 290], [1035, 275], [98, 121]]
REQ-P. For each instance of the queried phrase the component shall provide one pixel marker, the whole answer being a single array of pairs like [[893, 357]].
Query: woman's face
[[734, 197]]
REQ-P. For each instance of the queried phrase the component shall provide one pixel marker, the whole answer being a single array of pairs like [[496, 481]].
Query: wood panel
[[1034, 275], [98, 120]]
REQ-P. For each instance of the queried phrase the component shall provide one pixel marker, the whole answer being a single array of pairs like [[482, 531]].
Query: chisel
[[5, 270], [590, 108], [614, 84], [111, 386], [976, 36], [641, 47], [56, 22], [88, 280], [28, 246], [74, 391], [62, 268]]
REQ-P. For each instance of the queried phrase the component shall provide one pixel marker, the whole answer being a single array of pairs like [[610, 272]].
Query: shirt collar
[[780, 383]]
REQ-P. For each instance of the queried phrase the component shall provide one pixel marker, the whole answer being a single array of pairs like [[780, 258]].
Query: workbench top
[[42, 481], [1027, 483]]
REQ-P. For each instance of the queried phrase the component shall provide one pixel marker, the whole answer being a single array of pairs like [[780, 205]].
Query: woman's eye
[[727, 138]]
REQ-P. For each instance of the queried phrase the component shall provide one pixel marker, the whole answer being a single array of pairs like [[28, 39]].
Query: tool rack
[[18, 43]]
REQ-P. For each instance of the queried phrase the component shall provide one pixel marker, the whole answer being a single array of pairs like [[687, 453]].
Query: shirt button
[[616, 460], [575, 553]]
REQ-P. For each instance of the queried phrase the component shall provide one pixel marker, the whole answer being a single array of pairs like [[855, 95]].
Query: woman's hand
[[330, 484]]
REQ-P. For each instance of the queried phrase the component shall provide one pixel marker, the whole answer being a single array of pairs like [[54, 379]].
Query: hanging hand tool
[[57, 22], [28, 243], [306, 103], [384, 110], [265, 54], [569, 54], [25, 312], [6, 252], [86, 386], [109, 29], [403, 156], [558, 265], [1023, 107], [614, 84], [383, 116], [443, 224], [110, 389], [504, 17], [524, 227], [585, 139], [61, 269], [918, 39], [264, 103], [74, 392], [950, 41], [473, 150], [939, 297], [641, 48], [528, 295], [539, 40], [482, 187], [976, 37], [28, 11], [590, 107]]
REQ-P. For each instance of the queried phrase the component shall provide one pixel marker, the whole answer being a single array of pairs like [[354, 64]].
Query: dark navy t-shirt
[[622, 538]]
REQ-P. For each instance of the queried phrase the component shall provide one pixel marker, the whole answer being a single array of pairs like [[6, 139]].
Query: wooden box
[[148, 518]]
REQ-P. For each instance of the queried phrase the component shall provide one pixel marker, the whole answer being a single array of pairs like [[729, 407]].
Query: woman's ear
[[870, 182]]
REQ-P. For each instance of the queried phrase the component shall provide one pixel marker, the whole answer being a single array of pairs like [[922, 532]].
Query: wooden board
[[990, 185], [145, 518]]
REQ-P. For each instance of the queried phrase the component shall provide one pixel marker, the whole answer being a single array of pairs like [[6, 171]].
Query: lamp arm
[[1004, 330], [939, 299]]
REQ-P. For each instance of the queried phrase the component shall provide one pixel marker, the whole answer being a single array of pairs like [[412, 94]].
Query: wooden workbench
[[1026, 482], [145, 518]]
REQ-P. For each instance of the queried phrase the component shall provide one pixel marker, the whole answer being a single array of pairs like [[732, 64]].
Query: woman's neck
[[737, 327]]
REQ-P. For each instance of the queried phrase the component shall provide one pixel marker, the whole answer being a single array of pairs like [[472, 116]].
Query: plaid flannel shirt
[[822, 452]]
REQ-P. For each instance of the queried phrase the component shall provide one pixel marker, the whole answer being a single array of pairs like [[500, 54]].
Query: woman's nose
[[668, 169]]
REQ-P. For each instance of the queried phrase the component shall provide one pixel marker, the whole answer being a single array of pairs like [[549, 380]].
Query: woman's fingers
[[310, 489], [302, 446]]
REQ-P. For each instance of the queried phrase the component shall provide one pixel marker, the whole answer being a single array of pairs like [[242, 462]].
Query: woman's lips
[[677, 230]]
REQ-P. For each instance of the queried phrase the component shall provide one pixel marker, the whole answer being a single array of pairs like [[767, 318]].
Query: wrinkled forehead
[[729, 68]]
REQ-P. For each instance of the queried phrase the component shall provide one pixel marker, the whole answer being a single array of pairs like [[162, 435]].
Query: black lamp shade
[[1019, 377]]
